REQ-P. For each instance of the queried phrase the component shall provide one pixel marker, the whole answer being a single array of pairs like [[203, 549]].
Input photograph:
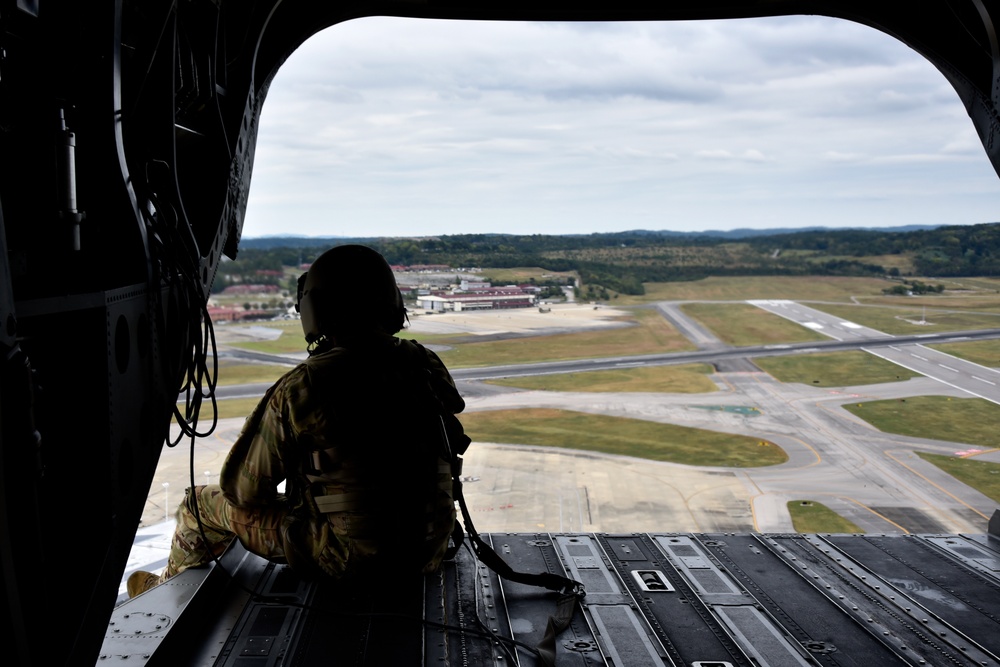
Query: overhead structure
[[127, 136]]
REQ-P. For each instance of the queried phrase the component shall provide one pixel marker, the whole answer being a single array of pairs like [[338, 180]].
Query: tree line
[[623, 261]]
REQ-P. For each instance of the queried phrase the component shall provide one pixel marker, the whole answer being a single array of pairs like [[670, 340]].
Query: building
[[480, 299]]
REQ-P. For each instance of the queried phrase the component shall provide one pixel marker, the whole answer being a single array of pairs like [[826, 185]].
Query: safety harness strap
[[492, 560], [559, 621], [571, 591]]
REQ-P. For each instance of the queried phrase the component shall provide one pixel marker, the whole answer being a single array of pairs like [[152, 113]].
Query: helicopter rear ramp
[[698, 600]]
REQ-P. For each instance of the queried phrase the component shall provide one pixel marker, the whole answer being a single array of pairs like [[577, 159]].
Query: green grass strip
[[813, 517], [717, 288], [982, 352], [839, 369], [228, 409], [685, 379], [233, 373], [619, 435], [907, 320], [651, 334], [743, 324], [983, 476], [968, 420]]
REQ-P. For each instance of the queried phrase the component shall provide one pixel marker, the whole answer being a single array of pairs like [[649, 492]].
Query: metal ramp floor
[[698, 600]]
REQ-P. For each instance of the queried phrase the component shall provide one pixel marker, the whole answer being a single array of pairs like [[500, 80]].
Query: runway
[[971, 378]]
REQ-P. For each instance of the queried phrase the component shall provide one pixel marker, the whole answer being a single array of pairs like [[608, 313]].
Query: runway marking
[[631, 363], [881, 516], [918, 357], [893, 347], [936, 486], [968, 452], [949, 368], [976, 377], [984, 451]]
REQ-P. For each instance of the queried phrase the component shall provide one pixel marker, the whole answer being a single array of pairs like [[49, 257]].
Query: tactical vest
[[383, 481]]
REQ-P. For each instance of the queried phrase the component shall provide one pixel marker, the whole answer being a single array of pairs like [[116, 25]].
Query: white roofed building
[[479, 299]]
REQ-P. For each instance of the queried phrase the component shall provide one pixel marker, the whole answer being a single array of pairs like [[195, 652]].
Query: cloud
[[749, 155], [428, 127], [835, 156]]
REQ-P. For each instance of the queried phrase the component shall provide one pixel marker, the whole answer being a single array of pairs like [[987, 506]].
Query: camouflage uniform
[[356, 433]]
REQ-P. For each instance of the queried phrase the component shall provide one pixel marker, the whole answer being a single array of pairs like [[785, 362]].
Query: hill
[[623, 261], [292, 241]]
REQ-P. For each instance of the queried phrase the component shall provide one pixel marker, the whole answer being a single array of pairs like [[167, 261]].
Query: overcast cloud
[[394, 127]]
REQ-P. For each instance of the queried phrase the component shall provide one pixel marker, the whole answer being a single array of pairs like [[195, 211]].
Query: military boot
[[140, 582]]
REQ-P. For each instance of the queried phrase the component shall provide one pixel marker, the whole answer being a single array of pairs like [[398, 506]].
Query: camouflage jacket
[[356, 434]]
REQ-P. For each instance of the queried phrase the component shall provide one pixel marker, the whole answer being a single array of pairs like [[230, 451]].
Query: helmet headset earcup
[[308, 312], [349, 290]]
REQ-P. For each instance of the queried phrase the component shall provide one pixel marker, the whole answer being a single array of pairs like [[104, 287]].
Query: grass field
[[967, 420], [983, 352], [233, 373], [617, 435], [819, 288], [686, 379], [978, 283], [839, 369], [812, 517], [523, 274], [233, 407], [291, 339], [902, 261], [904, 320], [743, 324], [983, 476], [650, 334], [985, 302]]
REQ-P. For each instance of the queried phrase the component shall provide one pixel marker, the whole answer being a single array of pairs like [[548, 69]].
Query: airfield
[[869, 477]]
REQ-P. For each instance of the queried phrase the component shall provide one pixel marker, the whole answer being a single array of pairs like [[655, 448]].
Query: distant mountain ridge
[[296, 241], [624, 261]]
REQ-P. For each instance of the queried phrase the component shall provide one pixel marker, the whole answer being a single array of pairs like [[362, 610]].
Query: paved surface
[[973, 379], [833, 458], [693, 330], [559, 317]]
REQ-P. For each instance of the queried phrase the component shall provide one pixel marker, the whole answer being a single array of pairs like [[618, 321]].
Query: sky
[[405, 127]]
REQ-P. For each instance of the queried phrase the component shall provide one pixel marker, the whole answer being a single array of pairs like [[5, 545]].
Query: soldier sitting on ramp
[[356, 434]]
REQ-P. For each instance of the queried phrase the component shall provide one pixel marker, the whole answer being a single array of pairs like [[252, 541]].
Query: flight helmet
[[349, 290]]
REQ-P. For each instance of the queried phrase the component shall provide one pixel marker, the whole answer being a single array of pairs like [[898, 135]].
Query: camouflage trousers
[[259, 530]]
